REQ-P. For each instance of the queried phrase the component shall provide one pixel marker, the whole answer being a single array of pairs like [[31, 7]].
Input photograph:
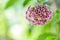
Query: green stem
[[58, 31]]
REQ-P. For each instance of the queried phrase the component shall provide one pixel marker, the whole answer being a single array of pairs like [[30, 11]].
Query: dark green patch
[[10, 3], [26, 2]]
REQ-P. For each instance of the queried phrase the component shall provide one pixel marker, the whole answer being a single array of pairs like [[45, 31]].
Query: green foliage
[[42, 1], [51, 38], [46, 36], [47, 27], [29, 31], [56, 16], [2, 22], [10, 3], [26, 2]]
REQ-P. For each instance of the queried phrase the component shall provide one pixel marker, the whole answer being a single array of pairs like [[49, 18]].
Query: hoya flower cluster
[[38, 15]]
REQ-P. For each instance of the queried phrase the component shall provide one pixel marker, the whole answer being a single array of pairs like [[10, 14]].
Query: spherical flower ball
[[38, 15]]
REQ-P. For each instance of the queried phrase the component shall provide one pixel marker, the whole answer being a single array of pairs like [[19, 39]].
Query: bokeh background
[[14, 26]]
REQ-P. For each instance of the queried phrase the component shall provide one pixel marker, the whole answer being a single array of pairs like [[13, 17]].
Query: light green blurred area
[[2, 27], [2, 23], [14, 25]]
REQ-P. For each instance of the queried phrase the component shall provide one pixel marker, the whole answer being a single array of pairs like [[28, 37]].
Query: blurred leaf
[[48, 3], [57, 3], [56, 19], [30, 28], [2, 25], [26, 2], [56, 16], [44, 36], [10, 3], [47, 27], [42, 1], [51, 38]]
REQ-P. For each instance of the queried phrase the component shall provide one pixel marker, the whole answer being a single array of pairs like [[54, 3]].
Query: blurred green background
[[14, 26]]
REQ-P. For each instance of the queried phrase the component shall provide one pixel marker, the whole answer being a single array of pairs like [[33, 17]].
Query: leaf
[[47, 27], [56, 16], [29, 31], [10, 3], [57, 20], [26, 2], [42, 1], [44, 36], [51, 38]]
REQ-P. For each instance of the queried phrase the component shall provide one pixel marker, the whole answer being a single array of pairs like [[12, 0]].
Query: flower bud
[[38, 15]]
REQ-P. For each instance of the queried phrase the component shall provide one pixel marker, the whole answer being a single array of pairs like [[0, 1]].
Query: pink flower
[[38, 15]]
